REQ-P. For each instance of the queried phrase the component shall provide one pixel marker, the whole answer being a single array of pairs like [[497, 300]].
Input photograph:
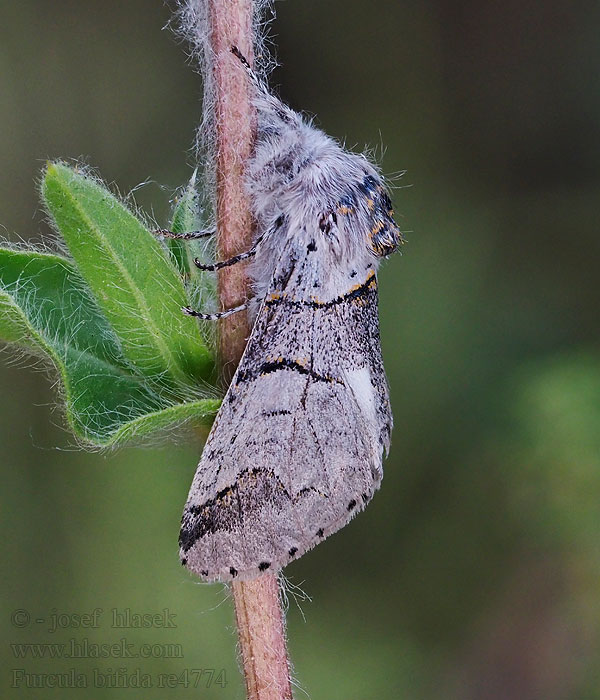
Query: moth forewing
[[296, 449]]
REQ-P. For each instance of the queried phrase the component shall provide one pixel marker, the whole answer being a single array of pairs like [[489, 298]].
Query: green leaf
[[132, 279], [14, 327], [196, 414], [187, 216], [46, 309]]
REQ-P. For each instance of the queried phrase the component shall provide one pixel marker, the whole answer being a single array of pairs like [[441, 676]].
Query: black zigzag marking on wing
[[247, 375], [368, 286], [252, 489]]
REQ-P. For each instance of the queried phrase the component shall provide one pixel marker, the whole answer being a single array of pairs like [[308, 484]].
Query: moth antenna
[[244, 61], [267, 97]]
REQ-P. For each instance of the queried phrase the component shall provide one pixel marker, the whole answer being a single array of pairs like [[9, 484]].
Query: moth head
[[371, 204], [383, 235]]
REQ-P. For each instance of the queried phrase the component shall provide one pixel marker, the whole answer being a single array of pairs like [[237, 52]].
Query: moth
[[296, 449]]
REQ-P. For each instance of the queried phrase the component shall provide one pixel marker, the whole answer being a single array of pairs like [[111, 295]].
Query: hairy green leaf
[[131, 277], [194, 414], [187, 216], [46, 309]]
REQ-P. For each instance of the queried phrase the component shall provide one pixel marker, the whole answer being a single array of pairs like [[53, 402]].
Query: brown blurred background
[[474, 574]]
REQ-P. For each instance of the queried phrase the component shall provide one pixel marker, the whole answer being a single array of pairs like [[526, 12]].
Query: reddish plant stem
[[231, 25], [262, 638], [258, 610]]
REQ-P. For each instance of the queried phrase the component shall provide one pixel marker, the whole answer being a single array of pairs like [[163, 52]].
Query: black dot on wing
[[352, 504], [233, 571], [320, 532], [264, 565], [183, 561], [204, 572], [311, 247], [365, 497], [293, 551]]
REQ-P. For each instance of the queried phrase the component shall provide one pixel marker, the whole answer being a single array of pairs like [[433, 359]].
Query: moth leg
[[212, 267], [225, 263], [216, 316], [189, 236]]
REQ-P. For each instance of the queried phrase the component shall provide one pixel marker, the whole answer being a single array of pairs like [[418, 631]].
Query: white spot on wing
[[359, 380]]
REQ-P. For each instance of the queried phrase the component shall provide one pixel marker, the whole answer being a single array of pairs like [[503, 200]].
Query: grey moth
[[297, 447]]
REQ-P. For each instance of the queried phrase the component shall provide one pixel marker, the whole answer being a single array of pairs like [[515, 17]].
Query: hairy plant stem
[[258, 610]]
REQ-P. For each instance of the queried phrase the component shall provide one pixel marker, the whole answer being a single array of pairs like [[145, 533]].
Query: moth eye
[[327, 221]]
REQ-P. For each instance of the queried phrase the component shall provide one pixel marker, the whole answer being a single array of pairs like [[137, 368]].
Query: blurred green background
[[475, 572]]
